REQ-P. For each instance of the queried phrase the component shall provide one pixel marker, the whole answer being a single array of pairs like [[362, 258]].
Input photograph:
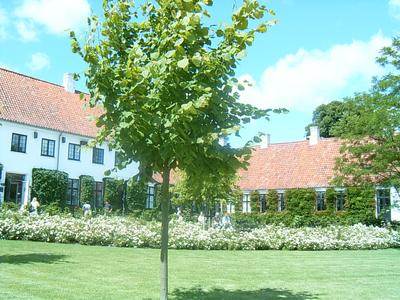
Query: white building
[[44, 125]]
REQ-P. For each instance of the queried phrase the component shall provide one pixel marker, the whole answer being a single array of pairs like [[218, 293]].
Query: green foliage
[[370, 129], [300, 209], [87, 188], [212, 190], [272, 201], [300, 201], [326, 116], [330, 198], [136, 194], [9, 206], [49, 186], [360, 203], [113, 192], [255, 202], [180, 89]]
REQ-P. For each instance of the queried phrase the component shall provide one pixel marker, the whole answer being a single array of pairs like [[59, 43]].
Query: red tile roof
[[291, 165], [31, 101], [173, 177]]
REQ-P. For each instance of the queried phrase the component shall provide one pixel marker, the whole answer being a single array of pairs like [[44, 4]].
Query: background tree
[[166, 84], [210, 191], [371, 153], [326, 116]]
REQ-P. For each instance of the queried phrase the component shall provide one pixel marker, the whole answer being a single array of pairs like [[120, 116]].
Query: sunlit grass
[[33, 270]]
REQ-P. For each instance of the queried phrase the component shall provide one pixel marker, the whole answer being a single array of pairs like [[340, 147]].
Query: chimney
[[265, 141], [69, 83], [314, 135]]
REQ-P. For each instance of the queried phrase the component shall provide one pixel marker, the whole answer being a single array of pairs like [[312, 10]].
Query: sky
[[318, 52]]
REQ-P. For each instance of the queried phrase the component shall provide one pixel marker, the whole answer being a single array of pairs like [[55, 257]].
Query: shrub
[[49, 186], [128, 232], [136, 194], [255, 202], [114, 192], [86, 190]]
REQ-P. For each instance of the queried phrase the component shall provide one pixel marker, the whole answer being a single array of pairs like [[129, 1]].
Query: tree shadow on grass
[[197, 293], [18, 259]]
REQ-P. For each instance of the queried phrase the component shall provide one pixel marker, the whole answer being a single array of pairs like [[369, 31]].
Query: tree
[[212, 190], [370, 130], [166, 84], [326, 116]]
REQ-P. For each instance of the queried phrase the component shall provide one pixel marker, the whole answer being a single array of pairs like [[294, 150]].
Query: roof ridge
[[38, 79]]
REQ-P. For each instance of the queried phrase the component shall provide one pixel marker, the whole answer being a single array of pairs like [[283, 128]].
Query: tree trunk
[[164, 235]]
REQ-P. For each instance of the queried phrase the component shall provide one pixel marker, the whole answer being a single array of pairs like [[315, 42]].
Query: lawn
[[34, 270]]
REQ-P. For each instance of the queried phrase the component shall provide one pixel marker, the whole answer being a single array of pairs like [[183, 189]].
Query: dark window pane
[[98, 156]]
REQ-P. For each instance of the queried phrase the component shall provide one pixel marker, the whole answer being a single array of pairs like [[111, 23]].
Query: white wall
[[23, 163], [395, 203]]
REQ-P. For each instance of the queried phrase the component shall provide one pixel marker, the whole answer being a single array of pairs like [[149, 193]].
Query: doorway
[[14, 191]]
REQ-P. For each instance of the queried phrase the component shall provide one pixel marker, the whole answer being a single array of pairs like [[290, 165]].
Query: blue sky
[[318, 52]]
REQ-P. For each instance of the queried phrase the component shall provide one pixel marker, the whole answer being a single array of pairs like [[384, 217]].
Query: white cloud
[[3, 24], [306, 79], [26, 31], [394, 8], [39, 61], [56, 16]]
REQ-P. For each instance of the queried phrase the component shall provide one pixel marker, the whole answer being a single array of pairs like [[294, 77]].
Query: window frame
[[150, 197], [98, 194], [385, 207], [73, 152], [48, 141], [96, 151], [320, 206], [263, 202], [19, 148], [340, 197], [246, 205], [281, 201], [70, 201]]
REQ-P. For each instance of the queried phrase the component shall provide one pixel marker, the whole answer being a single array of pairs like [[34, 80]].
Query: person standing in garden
[[87, 212], [34, 207], [107, 207], [202, 219]]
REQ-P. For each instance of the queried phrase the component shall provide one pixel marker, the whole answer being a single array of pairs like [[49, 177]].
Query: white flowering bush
[[127, 232]]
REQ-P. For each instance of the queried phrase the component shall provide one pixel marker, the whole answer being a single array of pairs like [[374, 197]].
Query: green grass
[[33, 270]]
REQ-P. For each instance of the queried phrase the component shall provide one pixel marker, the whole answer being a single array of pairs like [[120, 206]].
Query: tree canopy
[[326, 116], [370, 129]]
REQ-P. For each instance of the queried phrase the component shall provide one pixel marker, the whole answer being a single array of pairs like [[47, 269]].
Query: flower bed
[[126, 232]]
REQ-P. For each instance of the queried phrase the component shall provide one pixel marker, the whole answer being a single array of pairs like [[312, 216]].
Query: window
[[263, 203], [230, 207], [281, 201], [74, 152], [98, 156], [150, 197], [340, 198], [98, 194], [48, 147], [18, 142], [117, 158], [383, 203], [73, 192], [321, 205], [246, 203]]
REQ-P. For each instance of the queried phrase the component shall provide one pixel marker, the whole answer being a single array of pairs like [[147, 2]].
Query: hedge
[[86, 190], [300, 209], [49, 186], [114, 192]]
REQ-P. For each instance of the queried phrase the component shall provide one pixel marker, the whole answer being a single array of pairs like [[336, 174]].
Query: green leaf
[[183, 63], [179, 41]]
